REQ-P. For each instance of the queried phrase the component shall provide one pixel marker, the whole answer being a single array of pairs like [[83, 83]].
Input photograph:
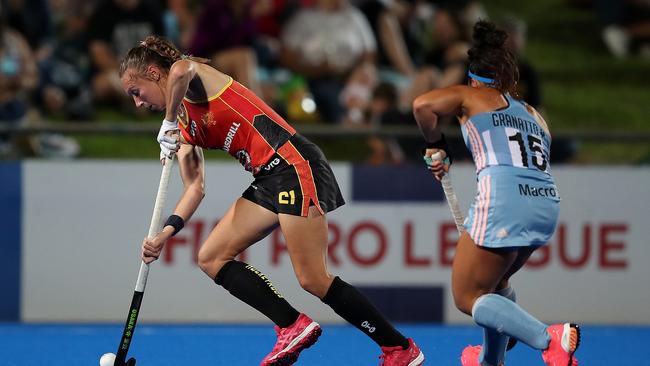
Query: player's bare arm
[[191, 165], [178, 81], [190, 159], [427, 107]]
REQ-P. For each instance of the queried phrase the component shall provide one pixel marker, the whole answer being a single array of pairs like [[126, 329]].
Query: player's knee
[[211, 262], [464, 304], [464, 301], [316, 285]]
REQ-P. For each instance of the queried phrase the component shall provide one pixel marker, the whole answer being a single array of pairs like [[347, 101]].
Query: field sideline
[[179, 345]]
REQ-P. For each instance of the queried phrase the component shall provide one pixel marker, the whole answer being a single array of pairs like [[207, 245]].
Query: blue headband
[[480, 78]]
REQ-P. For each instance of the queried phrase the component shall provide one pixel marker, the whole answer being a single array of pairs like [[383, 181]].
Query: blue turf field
[[207, 345]]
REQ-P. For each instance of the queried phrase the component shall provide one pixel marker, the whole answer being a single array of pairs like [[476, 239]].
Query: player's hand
[[151, 248], [439, 167], [168, 139]]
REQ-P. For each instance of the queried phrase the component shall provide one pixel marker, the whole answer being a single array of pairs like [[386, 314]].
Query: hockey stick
[[447, 187], [452, 201], [134, 310]]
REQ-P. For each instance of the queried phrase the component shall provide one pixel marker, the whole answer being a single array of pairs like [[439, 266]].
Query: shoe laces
[[388, 354], [282, 337]]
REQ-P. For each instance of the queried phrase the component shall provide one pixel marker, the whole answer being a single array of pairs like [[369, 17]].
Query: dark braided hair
[[489, 58], [153, 50]]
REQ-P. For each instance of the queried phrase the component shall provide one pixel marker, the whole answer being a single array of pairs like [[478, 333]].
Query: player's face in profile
[[146, 93]]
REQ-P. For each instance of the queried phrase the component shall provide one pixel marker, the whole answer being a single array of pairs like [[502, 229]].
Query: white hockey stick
[[447, 187], [134, 310]]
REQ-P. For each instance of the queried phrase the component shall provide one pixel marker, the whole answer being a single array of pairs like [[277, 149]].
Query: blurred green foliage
[[584, 87]]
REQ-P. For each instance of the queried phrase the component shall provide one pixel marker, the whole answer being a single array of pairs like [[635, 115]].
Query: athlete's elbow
[[422, 109], [426, 118], [420, 105]]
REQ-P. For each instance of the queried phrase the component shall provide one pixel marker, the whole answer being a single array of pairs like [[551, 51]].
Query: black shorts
[[296, 177]]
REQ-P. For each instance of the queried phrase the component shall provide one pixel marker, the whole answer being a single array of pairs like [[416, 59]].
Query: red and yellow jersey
[[237, 121]]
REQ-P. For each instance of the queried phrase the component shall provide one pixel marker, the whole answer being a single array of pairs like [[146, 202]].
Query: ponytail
[[489, 58], [154, 50]]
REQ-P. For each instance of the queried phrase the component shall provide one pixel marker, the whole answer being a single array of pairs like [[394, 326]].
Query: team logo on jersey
[[244, 159], [230, 136], [208, 119], [272, 164], [193, 129], [532, 191], [182, 115]]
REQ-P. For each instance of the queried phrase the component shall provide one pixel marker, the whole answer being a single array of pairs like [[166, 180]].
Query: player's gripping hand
[[168, 139], [440, 166], [151, 248]]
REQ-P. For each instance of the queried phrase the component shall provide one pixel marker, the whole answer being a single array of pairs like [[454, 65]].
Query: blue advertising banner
[[10, 217]]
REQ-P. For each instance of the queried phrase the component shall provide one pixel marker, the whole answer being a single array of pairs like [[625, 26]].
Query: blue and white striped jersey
[[510, 136]]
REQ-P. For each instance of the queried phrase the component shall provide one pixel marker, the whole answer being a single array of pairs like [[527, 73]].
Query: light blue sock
[[500, 314], [494, 343]]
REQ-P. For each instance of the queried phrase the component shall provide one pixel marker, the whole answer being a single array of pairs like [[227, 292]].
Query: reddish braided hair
[[153, 50]]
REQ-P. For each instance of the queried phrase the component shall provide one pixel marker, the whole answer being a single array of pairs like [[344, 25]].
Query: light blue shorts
[[513, 207]]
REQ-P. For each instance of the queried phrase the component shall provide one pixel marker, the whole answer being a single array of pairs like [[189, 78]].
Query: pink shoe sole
[[289, 358]]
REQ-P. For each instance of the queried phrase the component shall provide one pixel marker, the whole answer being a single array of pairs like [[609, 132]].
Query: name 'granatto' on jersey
[[508, 120]]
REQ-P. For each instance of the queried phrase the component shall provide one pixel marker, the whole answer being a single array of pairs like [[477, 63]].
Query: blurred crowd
[[350, 62]]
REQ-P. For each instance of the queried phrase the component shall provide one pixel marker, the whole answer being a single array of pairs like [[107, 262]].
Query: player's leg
[[476, 273], [306, 239], [495, 343], [244, 224], [565, 338]]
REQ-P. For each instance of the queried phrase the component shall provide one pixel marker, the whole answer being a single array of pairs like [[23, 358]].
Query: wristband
[[176, 222], [170, 125], [440, 145]]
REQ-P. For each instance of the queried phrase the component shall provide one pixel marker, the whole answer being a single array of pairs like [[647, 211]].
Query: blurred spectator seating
[[626, 26], [64, 89], [18, 78], [116, 26], [225, 32], [529, 88], [332, 45]]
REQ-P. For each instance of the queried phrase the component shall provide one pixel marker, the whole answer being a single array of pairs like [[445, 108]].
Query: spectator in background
[[18, 77], [333, 46], [385, 110], [450, 45], [224, 32], [182, 14], [270, 22], [469, 11], [33, 20], [115, 26], [395, 64], [626, 26], [384, 18], [64, 89], [444, 50]]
